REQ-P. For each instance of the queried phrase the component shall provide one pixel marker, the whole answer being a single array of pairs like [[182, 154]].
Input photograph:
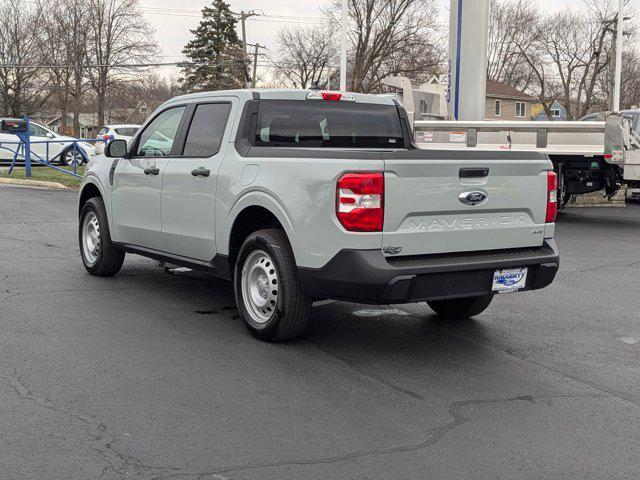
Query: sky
[[172, 20]]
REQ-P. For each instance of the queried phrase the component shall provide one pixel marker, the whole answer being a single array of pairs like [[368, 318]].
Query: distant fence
[[23, 150]]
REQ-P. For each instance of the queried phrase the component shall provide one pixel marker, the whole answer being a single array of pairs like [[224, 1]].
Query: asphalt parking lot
[[151, 375]]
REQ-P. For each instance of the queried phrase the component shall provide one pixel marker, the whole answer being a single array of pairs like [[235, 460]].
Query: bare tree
[[69, 28], [392, 37], [305, 56], [630, 85], [571, 51], [511, 24], [54, 35], [119, 34], [21, 48]]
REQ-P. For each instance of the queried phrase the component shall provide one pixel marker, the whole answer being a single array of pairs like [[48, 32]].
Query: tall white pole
[[468, 37], [619, 47], [343, 48]]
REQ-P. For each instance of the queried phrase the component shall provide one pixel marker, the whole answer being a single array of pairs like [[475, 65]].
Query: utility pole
[[256, 53], [243, 17], [343, 48], [619, 47]]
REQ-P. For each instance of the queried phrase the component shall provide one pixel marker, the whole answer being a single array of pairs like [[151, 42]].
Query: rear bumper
[[366, 276]]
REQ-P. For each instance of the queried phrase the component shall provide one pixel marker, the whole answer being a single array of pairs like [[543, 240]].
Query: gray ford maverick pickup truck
[[301, 195]]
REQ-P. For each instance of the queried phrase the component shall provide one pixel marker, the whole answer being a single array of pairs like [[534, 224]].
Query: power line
[[274, 18], [122, 65]]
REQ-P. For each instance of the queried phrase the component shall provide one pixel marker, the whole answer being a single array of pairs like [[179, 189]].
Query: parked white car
[[46, 151], [107, 133]]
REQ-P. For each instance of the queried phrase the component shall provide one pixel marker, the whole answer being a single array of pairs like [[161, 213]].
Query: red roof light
[[331, 96]]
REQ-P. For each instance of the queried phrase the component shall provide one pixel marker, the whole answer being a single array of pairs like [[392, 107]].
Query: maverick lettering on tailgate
[[467, 223]]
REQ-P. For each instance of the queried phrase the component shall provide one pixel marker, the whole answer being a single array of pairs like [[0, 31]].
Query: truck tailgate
[[448, 201]]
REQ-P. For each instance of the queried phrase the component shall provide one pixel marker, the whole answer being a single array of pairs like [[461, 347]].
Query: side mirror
[[50, 135], [116, 148]]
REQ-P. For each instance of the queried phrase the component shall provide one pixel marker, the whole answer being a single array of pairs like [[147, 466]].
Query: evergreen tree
[[216, 43]]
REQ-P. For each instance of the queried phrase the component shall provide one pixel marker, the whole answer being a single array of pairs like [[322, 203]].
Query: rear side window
[[310, 123], [206, 130], [126, 131]]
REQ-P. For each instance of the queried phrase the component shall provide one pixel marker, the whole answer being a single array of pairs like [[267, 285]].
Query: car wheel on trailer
[[461, 307], [268, 292], [99, 255]]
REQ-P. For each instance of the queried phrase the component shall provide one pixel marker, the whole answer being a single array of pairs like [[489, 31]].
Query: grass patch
[[46, 174]]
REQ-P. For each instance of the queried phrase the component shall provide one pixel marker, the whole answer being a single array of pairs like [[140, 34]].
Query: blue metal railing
[[23, 152]]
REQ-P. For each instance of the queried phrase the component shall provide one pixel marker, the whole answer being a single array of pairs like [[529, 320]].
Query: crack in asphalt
[[102, 442], [36, 238], [74, 290], [433, 436], [123, 465], [596, 386], [372, 376], [600, 267]]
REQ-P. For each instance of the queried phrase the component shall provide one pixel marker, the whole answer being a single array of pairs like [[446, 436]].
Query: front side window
[[206, 130], [311, 123], [521, 109], [498, 108], [157, 138]]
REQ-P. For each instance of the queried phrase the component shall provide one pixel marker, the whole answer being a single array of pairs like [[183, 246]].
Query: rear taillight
[[360, 202], [552, 196]]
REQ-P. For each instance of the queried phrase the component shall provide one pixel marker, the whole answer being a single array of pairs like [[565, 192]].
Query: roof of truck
[[281, 94]]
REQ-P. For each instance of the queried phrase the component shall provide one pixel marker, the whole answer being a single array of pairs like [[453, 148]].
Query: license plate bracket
[[509, 280]]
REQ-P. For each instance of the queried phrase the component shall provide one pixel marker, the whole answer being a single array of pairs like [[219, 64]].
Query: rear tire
[[99, 256], [268, 292], [66, 158], [461, 307]]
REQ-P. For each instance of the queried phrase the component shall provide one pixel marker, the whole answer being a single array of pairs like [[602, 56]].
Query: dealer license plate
[[509, 281]]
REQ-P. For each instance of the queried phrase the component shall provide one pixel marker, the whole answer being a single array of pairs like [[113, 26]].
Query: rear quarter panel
[[301, 192]]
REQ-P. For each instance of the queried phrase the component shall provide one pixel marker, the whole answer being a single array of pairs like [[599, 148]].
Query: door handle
[[152, 171], [201, 172], [474, 172]]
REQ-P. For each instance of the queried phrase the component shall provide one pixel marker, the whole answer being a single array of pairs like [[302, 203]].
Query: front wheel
[[268, 292], [99, 255], [461, 307]]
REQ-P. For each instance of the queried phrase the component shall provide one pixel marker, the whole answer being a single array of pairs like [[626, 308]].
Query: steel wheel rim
[[91, 238], [260, 286]]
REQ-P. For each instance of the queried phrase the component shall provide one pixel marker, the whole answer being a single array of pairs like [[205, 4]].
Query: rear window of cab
[[312, 123]]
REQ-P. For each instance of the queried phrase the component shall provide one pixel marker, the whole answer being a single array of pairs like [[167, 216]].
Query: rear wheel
[[99, 255], [461, 307], [268, 293], [66, 158]]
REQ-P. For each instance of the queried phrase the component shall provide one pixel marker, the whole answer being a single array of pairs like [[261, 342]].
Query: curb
[[32, 183]]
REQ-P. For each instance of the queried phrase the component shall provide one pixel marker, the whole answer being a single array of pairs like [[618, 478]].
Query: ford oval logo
[[472, 198]]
